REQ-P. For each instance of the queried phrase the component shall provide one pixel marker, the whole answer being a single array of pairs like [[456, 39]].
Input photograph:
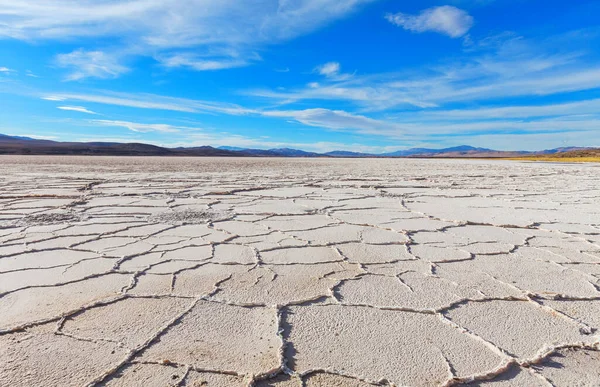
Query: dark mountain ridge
[[17, 145]]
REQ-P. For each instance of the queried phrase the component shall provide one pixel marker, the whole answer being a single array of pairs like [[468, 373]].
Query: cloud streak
[[150, 101], [78, 109], [167, 28], [328, 69], [199, 64], [447, 20], [91, 64], [338, 120], [573, 116], [514, 69], [142, 128]]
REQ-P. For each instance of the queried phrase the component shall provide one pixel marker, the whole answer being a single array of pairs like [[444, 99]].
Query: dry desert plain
[[298, 272]]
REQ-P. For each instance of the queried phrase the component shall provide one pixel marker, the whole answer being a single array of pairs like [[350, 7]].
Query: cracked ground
[[298, 272]]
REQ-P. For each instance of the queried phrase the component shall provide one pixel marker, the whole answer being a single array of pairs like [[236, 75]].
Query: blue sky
[[319, 75]]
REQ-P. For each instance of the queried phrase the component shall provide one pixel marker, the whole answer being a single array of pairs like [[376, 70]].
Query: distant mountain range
[[16, 145], [457, 151]]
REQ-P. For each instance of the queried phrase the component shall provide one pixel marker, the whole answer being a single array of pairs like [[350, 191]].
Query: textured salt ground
[[264, 272]]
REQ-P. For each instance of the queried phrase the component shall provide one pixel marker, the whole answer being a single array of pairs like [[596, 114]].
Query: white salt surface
[[298, 272]]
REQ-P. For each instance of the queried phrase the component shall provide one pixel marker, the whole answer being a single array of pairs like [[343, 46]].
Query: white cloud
[[53, 98], [328, 69], [527, 111], [172, 22], [5, 70], [151, 27], [124, 140], [332, 71], [337, 120], [142, 128], [364, 92], [199, 64], [517, 68], [447, 20], [79, 109], [325, 118], [150, 101], [91, 64], [577, 116], [419, 126]]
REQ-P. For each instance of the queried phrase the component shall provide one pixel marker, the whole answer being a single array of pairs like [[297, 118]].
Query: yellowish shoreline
[[558, 159]]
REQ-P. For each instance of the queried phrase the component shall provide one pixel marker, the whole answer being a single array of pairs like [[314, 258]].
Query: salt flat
[[298, 272]]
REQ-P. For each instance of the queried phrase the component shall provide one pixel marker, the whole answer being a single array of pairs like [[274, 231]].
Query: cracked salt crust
[[406, 290], [36, 303], [264, 272], [148, 375], [494, 321], [138, 319], [320, 379], [284, 284], [221, 337], [352, 338], [31, 359], [301, 255], [363, 253], [570, 366]]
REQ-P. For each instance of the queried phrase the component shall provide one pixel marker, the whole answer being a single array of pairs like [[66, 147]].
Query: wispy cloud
[[337, 120], [179, 23], [417, 124], [53, 98], [414, 106], [199, 64], [149, 101], [447, 20], [123, 140], [324, 118], [149, 27], [143, 128], [421, 125], [513, 67], [79, 109], [332, 71], [589, 107], [91, 64], [328, 69], [6, 70]]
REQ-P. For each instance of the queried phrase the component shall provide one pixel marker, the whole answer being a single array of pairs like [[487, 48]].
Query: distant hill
[[276, 152], [17, 145], [29, 146], [563, 150], [231, 148], [575, 153], [4, 137], [463, 149], [348, 154], [288, 152]]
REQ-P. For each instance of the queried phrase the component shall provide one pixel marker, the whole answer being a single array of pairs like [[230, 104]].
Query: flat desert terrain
[[298, 272]]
